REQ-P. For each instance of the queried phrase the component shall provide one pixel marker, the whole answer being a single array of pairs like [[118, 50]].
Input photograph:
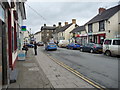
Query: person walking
[[35, 47]]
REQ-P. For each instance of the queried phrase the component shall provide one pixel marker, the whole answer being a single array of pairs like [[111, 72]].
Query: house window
[[90, 28], [101, 26]]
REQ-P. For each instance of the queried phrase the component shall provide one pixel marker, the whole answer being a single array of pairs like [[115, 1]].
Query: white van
[[63, 43], [111, 47]]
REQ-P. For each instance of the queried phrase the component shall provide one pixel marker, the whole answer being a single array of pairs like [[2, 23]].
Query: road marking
[[91, 82]]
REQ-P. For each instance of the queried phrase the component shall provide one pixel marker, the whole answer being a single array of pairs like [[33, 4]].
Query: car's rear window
[[107, 42], [98, 45], [116, 42], [51, 43]]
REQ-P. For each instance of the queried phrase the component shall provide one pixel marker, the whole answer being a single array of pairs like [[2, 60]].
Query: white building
[[37, 36]]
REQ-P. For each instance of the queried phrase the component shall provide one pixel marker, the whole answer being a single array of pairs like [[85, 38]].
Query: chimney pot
[[101, 10], [59, 23], [54, 25], [74, 21], [66, 23], [44, 24]]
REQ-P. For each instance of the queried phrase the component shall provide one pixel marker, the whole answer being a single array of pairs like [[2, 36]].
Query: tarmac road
[[98, 67]]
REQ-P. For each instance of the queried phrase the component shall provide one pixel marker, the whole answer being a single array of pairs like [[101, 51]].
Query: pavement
[[41, 71], [30, 75]]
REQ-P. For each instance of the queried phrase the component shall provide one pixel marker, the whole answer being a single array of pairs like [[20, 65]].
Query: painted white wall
[[67, 32], [113, 26], [37, 37]]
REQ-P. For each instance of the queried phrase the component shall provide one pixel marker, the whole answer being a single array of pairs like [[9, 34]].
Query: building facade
[[79, 35], [104, 25], [64, 32], [9, 36], [37, 36], [47, 33]]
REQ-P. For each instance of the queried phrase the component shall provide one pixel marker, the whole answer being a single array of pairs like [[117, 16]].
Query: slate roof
[[105, 15], [63, 28], [37, 32], [48, 28], [78, 29]]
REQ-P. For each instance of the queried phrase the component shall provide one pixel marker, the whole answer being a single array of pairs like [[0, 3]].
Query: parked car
[[51, 46], [63, 43], [111, 47], [92, 48], [40, 44], [30, 45], [73, 46]]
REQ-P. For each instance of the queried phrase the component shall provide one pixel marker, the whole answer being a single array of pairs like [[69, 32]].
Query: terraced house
[[106, 24], [12, 15], [64, 32], [47, 33], [79, 35]]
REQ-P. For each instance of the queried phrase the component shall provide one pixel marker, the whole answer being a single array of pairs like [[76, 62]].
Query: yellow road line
[[91, 82]]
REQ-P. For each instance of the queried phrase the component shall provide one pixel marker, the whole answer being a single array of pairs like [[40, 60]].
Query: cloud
[[55, 12]]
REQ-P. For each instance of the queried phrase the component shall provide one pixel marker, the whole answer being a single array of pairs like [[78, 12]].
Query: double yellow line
[[91, 82]]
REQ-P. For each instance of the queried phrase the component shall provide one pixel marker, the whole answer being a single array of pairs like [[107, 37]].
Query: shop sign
[[2, 14], [23, 28]]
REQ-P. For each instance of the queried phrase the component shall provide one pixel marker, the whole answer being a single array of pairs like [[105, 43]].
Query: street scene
[[59, 44]]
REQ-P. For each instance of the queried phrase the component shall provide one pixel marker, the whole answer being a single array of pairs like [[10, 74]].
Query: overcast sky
[[53, 12]]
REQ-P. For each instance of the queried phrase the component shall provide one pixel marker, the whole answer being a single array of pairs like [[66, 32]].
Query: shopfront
[[101, 38]]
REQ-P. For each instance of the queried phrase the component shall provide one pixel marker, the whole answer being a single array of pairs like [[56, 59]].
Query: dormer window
[[102, 26]]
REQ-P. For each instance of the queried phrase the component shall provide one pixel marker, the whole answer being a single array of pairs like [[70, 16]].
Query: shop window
[[101, 26], [90, 28]]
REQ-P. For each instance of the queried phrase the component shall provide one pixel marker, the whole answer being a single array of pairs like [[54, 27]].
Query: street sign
[[23, 28]]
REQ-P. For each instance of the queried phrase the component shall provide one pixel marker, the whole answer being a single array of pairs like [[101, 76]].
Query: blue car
[[51, 46], [73, 46], [30, 45]]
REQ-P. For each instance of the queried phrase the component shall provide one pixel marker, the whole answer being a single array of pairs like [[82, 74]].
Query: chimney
[[101, 10], [59, 24], [44, 24], [54, 25], [66, 23], [73, 21]]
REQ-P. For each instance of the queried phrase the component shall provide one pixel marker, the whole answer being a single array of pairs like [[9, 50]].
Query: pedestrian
[[35, 47], [25, 48]]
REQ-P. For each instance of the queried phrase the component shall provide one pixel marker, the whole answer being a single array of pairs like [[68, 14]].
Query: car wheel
[[91, 51], [108, 53], [81, 49]]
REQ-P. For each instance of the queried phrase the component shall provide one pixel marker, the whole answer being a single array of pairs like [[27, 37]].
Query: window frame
[[90, 30], [102, 25]]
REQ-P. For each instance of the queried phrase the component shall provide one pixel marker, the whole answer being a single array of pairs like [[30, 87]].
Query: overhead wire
[[38, 14]]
